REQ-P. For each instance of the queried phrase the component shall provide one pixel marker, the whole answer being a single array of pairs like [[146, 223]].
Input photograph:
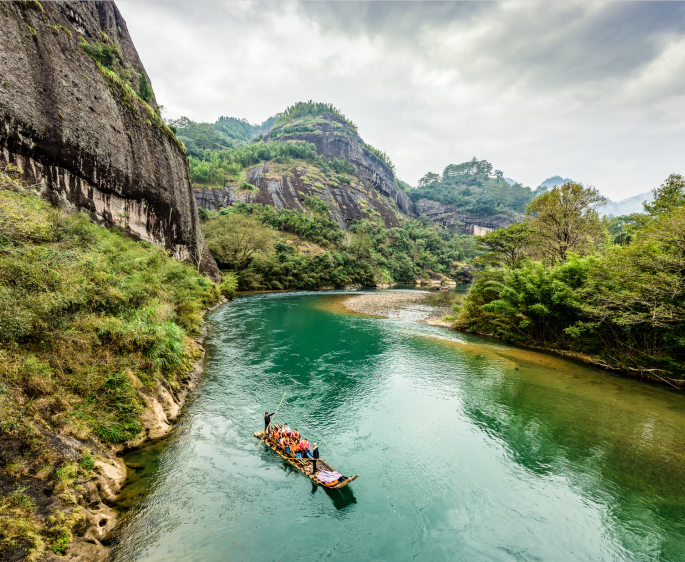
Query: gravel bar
[[401, 305]]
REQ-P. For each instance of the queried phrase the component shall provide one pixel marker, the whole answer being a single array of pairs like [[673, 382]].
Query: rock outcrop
[[286, 189], [451, 217], [371, 191], [334, 139], [82, 135]]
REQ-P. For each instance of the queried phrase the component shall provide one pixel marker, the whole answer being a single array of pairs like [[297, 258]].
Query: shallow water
[[466, 449]]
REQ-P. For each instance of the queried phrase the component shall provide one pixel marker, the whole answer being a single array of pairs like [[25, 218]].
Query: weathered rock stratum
[[83, 137], [333, 140], [449, 216]]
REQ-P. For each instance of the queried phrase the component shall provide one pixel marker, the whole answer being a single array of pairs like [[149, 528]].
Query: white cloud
[[592, 91]]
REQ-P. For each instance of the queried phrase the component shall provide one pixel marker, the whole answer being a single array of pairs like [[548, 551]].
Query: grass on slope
[[89, 320]]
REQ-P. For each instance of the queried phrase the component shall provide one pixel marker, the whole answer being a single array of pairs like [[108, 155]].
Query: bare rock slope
[[82, 135]]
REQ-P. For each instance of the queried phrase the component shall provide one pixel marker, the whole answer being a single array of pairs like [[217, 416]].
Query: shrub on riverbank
[[623, 302], [89, 320], [367, 254]]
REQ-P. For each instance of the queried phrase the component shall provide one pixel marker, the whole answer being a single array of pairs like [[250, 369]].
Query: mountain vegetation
[[216, 167], [610, 289], [215, 149], [263, 248], [225, 133], [475, 188]]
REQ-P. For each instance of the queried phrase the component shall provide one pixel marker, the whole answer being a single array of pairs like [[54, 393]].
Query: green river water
[[467, 449]]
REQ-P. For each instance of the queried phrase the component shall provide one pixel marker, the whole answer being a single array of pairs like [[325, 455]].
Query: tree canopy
[[235, 240], [564, 219], [475, 188], [612, 289], [668, 196]]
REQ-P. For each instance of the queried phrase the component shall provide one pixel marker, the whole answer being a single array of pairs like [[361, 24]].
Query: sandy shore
[[403, 305]]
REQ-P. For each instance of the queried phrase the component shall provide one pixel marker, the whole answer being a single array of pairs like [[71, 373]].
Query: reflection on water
[[466, 449]]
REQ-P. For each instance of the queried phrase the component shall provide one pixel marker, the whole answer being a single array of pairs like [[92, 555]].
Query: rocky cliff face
[[333, 139], [82, 135], [451, 217], [285, 187], [371, 192]]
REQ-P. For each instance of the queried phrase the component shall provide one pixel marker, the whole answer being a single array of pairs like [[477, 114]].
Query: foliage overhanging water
[[467, 450]]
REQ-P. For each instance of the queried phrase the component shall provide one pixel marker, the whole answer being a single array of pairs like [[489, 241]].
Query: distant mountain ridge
[[626, 206], [554, 180]]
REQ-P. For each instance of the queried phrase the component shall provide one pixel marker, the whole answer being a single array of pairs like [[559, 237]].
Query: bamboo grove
[[609, 288]]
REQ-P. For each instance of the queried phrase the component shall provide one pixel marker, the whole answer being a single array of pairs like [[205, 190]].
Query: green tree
[[506, 245], [429, 179], [635, 300], [565, 219], [537, 303], [668, 196], [622, 229], [235, 240]]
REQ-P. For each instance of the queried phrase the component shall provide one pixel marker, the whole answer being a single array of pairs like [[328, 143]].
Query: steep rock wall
[[287, 188], [78, 139], [449, 216], [330, 142]]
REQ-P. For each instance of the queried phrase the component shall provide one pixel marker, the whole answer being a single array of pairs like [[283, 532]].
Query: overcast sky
[[592, 91]]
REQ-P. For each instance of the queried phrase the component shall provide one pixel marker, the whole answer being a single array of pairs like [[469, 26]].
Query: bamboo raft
[[306, 466]]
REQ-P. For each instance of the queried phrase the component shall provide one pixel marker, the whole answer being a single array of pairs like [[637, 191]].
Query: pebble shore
[[403, 305]]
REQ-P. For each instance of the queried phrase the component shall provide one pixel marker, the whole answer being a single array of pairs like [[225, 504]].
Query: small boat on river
[[305, 466]]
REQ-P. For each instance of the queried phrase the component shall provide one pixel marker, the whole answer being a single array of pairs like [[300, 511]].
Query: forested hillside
[[474, 188], [226, 132], [311, 149], [94, 327], [610, 289], [264, 248]]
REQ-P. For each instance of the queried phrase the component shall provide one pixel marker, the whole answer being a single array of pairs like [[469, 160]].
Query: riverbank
[[411, 305], [401, 305], [163, 405], [96, 356], [78, 504], [580, 358]]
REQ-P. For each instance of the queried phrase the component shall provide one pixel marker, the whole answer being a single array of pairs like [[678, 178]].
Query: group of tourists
[[298, 450], [291, 442]]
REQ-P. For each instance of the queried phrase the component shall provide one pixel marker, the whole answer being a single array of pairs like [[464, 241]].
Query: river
[[467, 450]]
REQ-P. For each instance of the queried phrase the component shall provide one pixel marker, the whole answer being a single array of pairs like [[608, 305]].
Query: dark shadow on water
[[341, 499]]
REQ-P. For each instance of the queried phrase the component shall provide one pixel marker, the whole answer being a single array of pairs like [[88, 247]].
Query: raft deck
[[306, 467]]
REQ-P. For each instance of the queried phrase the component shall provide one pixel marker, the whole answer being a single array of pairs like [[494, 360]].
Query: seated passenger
[[296, 434]]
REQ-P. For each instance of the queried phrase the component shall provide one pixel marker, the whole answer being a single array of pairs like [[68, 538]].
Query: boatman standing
[[315, 455], [267, 419]]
